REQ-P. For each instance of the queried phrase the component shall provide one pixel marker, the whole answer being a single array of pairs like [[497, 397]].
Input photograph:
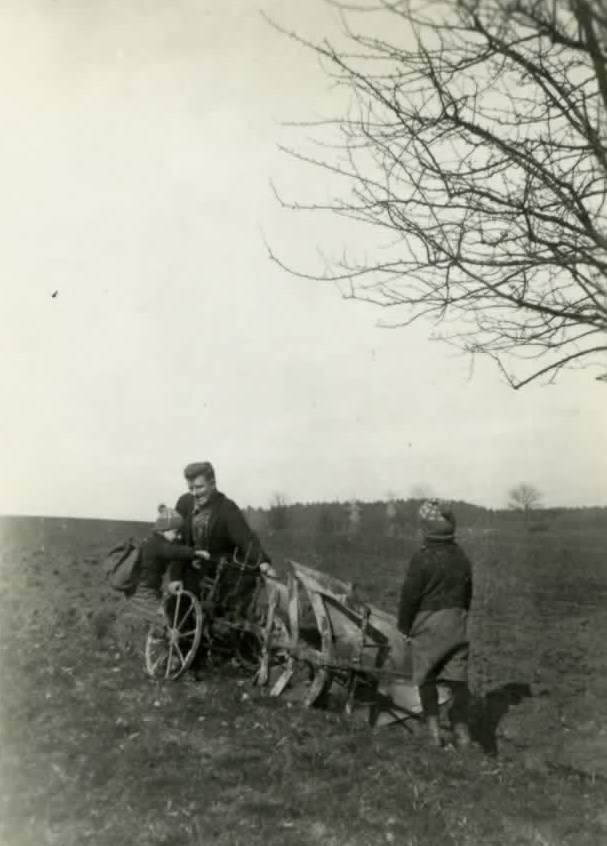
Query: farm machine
[[312, 636]]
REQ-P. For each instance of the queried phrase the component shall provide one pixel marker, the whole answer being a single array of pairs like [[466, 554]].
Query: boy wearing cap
[[161, 551], [433, 612]]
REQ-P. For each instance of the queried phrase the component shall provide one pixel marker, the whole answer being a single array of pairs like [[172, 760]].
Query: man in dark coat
[[214, 524], [433, 612]]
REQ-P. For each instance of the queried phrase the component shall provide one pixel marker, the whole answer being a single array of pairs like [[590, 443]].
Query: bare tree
[[422, 491], [354, 510], [524, 498], [475, 145], [391, 512], [278, 513]]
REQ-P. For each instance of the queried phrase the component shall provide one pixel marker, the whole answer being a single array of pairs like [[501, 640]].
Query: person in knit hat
[[436, 520], [433, 611], [161, 552]]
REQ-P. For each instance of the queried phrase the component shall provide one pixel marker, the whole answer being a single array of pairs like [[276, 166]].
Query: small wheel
[[169, 651]]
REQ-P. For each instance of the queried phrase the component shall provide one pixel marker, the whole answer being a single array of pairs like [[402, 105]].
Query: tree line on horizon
[[398, 517]]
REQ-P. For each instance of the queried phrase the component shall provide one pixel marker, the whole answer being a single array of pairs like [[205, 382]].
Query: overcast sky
[[139, 141]]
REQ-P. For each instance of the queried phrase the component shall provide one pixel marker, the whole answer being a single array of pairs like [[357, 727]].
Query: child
[[159, 553], [433, 611]]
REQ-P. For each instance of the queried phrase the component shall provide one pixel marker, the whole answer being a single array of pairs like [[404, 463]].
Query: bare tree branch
[[475, 140]]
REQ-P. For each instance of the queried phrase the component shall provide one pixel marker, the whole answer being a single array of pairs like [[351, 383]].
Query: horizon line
[[506, 509]]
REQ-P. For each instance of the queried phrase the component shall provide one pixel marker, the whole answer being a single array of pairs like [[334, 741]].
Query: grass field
[[94, 753]]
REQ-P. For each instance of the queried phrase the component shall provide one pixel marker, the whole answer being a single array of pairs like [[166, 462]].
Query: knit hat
[[167, 519], [200, 468], [436, 520]]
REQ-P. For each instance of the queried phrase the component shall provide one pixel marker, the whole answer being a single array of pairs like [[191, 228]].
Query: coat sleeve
[[241, 534], [411, 594]]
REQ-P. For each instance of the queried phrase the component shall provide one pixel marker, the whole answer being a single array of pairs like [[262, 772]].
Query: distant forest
[[399, 518]]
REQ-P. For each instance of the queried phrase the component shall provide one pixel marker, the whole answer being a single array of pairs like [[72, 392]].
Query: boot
[[434, 732], [428, 694], [461, 736]]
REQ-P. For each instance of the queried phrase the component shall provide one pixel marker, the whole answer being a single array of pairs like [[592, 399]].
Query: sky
[[140, 146]]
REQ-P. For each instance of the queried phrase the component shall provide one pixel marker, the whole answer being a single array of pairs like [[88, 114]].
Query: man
[[434, 605], [215, 524]]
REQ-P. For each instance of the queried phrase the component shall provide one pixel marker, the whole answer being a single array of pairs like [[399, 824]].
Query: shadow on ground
[[488, 711]]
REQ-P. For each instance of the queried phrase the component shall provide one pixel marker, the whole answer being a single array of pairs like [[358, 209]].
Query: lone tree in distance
[[422, 491], [475, 145], [524, 498]]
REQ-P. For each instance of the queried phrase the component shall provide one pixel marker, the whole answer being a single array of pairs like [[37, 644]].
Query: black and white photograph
[[303, 458]]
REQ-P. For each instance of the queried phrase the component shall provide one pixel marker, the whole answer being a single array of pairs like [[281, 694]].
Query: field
[[94, 753]]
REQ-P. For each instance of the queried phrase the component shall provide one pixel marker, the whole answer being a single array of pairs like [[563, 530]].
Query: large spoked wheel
[[170, 650]]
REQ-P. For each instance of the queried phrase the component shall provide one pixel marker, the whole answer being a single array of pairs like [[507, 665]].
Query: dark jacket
[[229, 532], [157, 554], [439, 577]]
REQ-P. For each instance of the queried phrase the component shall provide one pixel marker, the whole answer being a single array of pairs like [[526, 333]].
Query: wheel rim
[[169, 653]]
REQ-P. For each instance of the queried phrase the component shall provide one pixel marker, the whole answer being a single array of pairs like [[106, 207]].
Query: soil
[[93, 752]]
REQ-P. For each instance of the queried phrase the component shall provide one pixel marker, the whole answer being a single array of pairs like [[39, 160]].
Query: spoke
[[187, 634], [176, 614], [169, 660], [179, 653], [185, 616]]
